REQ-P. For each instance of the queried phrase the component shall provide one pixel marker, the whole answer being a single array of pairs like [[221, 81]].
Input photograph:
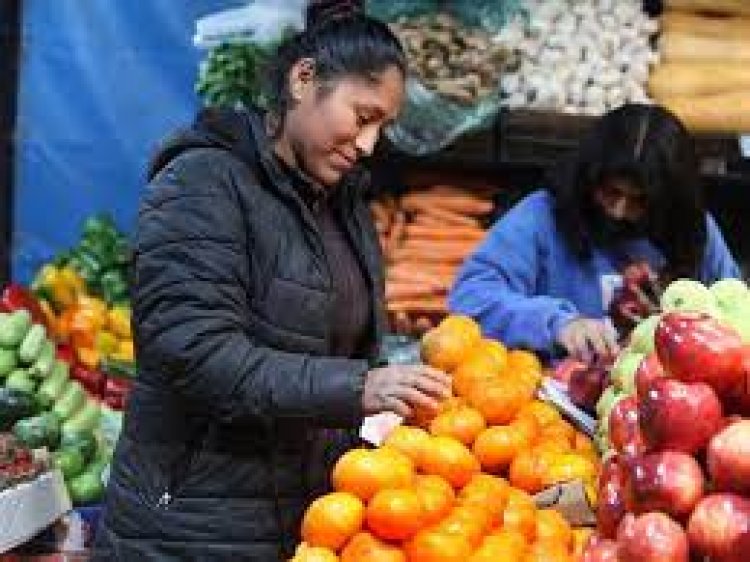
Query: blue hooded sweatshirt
[[524, 283]]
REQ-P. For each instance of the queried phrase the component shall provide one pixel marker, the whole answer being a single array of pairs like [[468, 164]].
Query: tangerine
[[331, 520]]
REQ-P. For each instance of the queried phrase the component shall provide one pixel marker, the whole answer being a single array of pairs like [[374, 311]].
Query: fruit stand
[[644, 457]]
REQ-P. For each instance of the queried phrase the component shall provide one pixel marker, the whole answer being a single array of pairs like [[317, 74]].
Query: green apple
[[730, 292], [623, 371], [738, 318], [688, 295], [642, 336]]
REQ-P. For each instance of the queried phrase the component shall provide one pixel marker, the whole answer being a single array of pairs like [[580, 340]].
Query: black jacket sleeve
[[190, 308]]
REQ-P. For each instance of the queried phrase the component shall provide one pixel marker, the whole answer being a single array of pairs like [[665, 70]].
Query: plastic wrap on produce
[[430, 121]]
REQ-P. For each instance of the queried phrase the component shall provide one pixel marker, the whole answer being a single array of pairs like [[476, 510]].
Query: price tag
[[745, 146]]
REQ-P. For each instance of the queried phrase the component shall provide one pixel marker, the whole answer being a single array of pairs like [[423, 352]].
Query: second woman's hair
[[649, 147], [341, 41]]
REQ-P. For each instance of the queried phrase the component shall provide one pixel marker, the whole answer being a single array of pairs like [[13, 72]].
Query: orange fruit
[[476, 370], [497, 446], [394, 515], [528, 471], [581, 538], [544, 412], [519, 359], [432, 545], [421, 417], [499, 401], [365, 548], [552, 527], [494, 350], [508, 544], [463, 423], [566, 467], [529, 377], [306, 553], [445, 349], [468, 521], [528, 427], [437, 497], [520, 514], [412, 441], [582, 444], [488, 492], [504, 545], [547, 552], [363, 472], [450, 459], [463, 325], [331, 520], [559, 430]]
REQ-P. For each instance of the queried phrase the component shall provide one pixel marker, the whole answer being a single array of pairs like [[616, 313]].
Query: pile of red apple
[[677, 487]]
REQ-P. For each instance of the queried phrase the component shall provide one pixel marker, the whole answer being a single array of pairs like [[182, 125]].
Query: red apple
[[601, 550], [669, 482], [652, 537], [649, 370], [611, 506], [624, 430], [694, 347], [737, 401], [719, 528], [729, 458], [678, 416], [586, 386]]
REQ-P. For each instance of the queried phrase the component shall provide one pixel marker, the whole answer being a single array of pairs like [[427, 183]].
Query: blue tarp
[[101, 82]]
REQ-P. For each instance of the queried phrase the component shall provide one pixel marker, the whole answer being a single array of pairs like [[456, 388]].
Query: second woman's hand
[[588, 338], [404, 389]]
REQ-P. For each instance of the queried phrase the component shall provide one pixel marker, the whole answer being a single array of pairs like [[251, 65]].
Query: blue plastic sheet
[[102, 81]]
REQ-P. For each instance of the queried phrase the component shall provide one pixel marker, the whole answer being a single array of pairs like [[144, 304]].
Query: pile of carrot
[[426, 235]]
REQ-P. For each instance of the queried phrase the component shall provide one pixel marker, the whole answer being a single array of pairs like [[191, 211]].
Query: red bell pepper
[[91, 379], [116, 392], [65, 353], [16, 297]]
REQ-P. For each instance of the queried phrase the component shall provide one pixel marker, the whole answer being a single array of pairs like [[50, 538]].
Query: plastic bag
[[429, 121], [261, 21]]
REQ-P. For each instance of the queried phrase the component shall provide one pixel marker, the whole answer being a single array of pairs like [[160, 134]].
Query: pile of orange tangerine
[[455, 485]]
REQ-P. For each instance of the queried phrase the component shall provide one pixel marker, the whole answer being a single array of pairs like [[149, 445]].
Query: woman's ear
[[301, 78]]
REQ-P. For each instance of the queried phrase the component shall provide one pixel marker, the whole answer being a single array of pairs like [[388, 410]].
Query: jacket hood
[[237, 131]]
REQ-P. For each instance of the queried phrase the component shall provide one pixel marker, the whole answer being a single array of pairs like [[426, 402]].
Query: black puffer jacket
[[239, 409]]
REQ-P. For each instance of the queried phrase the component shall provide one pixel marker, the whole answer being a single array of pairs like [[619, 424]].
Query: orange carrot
[[414, 230], [450, 217], [396, 232], [402, 290], [426, 305]]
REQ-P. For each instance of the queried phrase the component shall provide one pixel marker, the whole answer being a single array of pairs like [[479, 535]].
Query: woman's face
[[621, 200], [328, 131]]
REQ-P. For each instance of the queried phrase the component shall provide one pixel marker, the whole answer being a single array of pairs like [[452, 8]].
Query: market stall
[[642, 458]]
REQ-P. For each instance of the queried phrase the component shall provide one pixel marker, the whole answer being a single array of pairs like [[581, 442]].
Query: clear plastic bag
[[429, 121]]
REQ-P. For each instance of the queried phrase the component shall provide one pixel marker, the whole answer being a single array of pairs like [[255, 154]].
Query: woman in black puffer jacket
[[257, 310]]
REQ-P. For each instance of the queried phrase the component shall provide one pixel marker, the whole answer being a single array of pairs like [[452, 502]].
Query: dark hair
[[648, 146], [342, 41]]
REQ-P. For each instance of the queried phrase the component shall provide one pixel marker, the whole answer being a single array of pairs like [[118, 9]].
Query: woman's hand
[[587, 338], [402, 389]]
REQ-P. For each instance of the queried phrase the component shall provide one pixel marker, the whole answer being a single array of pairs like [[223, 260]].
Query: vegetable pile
[[46, 406], [426, 235], [581, 57], [84, 297], [459, 62]]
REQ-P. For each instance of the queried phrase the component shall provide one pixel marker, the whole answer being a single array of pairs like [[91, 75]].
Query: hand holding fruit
[[403, 388], [586, 338]]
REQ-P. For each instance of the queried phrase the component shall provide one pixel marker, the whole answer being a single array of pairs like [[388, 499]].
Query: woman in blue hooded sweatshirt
[[545, 275]]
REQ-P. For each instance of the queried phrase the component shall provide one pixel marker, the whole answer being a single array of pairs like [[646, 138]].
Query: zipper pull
[[164, 500]]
